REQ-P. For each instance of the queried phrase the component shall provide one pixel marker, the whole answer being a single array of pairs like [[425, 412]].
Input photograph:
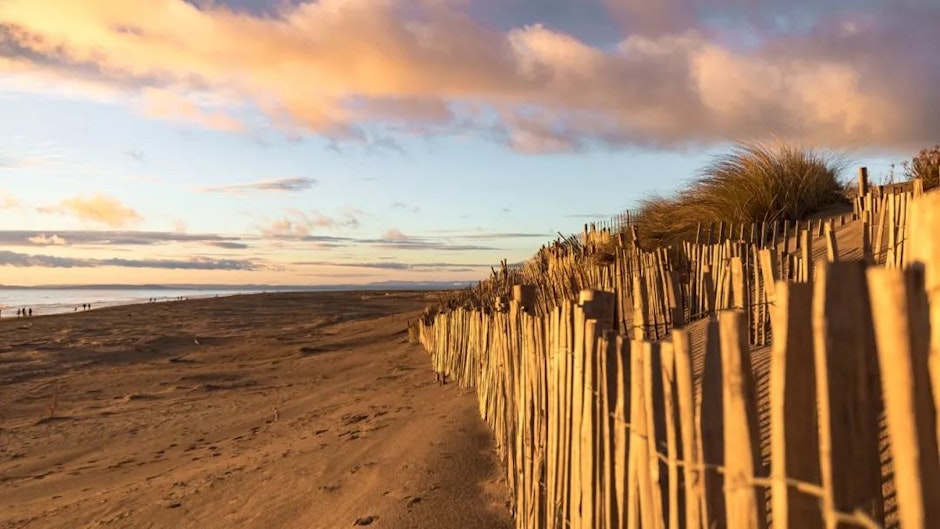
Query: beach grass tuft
[[755, 182]]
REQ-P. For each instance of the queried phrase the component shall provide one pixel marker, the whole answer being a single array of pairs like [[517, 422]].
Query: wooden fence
[[698, 276], [606, 420]]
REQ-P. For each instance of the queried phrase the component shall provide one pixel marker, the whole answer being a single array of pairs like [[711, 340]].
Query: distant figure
[[30, 312], [17, 313]]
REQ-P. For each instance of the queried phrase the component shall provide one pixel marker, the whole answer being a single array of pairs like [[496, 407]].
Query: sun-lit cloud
[[24, 162], [97, 208], [300, 224], [838, 74], [46, 240], [395, 235], [291, 184], [8, 201], [168, 105], [8, 258], [113, 238], [399, 265]]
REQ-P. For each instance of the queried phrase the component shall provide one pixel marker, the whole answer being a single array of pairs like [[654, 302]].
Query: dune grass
[[755, 182], [925, 166]]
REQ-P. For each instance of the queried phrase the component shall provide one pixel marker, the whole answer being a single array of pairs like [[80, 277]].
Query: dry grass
[[755, 182], [925, 166]]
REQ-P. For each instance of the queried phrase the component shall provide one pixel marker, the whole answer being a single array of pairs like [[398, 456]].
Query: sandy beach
[[303, 410]]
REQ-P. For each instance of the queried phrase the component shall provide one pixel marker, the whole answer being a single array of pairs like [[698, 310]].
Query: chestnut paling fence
[[615, 411]]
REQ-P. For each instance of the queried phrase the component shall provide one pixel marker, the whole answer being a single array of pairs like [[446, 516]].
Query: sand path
[[268, 411]]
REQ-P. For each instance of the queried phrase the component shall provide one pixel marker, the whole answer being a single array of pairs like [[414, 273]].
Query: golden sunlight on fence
[[760, 380]]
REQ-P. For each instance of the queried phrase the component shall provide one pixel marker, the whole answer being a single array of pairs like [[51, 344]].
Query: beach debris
[[53, 404], [353, 418], [365, 520], [277, 414], [195, 341]]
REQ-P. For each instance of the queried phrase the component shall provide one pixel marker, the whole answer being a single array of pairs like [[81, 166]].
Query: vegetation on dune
[[925, 166], [755, 182]]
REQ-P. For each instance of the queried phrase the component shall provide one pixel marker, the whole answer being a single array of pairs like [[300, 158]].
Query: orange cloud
[[333, 66], [96, 208], [299, 224], [165, 104], [8, 201]]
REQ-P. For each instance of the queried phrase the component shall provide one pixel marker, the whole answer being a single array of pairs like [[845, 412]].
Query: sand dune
[[280, 410]]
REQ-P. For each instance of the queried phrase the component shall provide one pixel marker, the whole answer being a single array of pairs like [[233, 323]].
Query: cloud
[[99, 208], [274, 184], [395, 235], [298, 224], [23, 162], [172, 106], [44, 240], [8, 201], [112, 238], [229, 245], [504, 235], [397, 265], [682, 73], [8, 258]]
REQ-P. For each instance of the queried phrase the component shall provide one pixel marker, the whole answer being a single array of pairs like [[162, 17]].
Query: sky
[[358, 141]]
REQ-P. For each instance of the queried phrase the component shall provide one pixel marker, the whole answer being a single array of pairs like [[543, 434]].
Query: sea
[[62, 300], [51, 300]]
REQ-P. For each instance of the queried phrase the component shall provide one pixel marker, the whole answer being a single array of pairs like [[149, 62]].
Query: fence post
[[621, 434], [794, 447], [832, 249], [709, 422], [639, 503], [902, 329], [525, 296], [848, 392], [744, 502], [862, 181], [640, 308], [685, 392], [924, 251]]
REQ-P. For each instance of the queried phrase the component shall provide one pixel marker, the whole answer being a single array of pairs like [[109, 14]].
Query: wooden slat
[[832, 249], [848, 392], [685, 393], [655, 427], [710, 422], [924, 251], [902, 329], [640, 489], [621, 434], [668, 381], [793, 427], [744, 502]]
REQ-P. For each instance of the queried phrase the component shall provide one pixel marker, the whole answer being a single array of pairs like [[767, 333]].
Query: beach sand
[[302, 410]]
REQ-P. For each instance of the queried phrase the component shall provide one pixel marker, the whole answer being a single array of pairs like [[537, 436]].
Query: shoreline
[[8, 311]]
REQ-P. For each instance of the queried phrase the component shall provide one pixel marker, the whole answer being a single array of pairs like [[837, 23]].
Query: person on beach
[[30, 312], [17, 313]]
